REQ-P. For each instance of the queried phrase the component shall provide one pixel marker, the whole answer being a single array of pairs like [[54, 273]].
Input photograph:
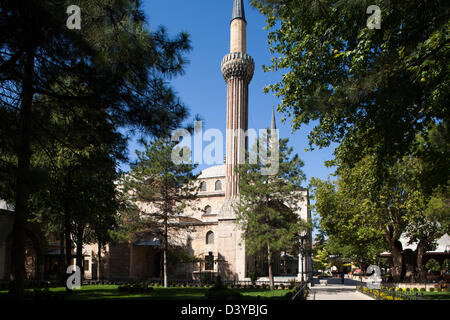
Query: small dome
[[213, 172]]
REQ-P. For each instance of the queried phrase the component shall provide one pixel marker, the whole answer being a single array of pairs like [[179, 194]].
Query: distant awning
[[149, 243], [428, 253]]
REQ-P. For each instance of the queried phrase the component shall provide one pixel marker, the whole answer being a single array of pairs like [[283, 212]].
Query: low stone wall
[[416, 285]]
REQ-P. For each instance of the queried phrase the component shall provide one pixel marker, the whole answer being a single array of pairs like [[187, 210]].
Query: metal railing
[[301, 292]]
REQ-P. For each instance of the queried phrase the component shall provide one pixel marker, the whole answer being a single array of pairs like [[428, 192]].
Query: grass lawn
[[436, 295], [109, 292]]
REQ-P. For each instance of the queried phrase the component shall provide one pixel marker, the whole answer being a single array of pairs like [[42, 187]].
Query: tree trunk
[[99, 262], [67, 227], [23, 179], [419, 261], [166, 249], [62, 261], [269, 261], [80, 231], [391, 237], [397, 261]]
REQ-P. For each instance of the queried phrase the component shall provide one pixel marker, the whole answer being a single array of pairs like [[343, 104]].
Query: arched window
[[210, 237], [203, 186], [218, 185], [208, 210]]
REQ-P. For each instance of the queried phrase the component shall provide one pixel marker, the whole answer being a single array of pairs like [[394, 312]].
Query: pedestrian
[[342, 277]]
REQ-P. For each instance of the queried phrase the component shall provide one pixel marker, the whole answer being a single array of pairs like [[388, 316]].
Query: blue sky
[[202, 87]]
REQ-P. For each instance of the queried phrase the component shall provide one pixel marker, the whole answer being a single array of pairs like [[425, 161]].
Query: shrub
[[206, 278], [289, 295], [135, 288], [218, 285], [221, 292], [292, 284], [431, 289], [433, 265], [44, 294], [422, 289], [253, 275], [224, 294]]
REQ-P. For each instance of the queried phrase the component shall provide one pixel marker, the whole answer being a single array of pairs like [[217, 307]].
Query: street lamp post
[[302, 252], [302, 265]]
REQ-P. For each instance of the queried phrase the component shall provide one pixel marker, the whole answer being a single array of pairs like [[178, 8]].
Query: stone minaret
[[237, 70], [273, 122]]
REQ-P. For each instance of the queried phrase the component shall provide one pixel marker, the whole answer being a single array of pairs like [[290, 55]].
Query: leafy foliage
[[433, 265], [369, 214], [376, 88], [64, 96], [158, 191], [268, 206], [220, 292]]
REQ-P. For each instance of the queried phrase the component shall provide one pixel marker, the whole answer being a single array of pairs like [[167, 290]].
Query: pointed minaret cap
[[273, 122], [238, 10]]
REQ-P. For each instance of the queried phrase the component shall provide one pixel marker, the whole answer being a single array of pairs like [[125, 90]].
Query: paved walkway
[[336, 291]]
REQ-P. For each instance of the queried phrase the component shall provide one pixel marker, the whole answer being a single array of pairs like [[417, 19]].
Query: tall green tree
[[377, 88], [79, 171], [113, 62], [363, 210], [269, 204], [159, 190], [341, 218], [429, 166], [382, 94]]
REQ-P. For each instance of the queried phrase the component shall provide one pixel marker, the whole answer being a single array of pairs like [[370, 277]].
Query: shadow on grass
[[156, 294], [263, 294], [111, 292], [437, 296]]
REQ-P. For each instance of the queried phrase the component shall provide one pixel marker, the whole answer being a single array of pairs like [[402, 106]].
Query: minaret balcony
[[238, 65]]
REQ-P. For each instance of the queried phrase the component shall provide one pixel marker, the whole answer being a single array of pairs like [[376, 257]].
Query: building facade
[[215, 237]]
